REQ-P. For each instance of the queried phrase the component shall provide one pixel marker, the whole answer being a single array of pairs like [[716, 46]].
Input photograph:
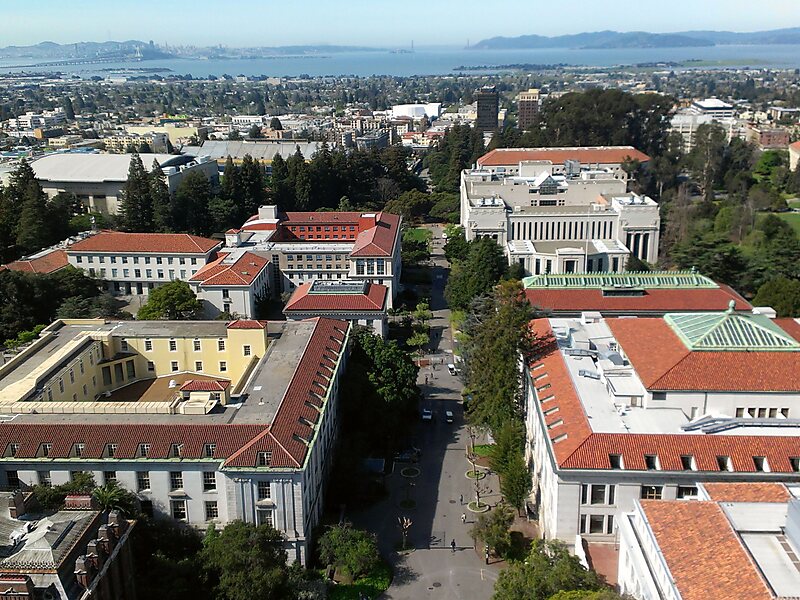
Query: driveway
[[432, 569]]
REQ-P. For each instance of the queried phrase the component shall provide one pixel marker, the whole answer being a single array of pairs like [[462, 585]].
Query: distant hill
[[85, 50], [641, 39]]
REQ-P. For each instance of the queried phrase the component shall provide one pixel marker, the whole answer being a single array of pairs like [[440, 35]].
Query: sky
[[369, 22]]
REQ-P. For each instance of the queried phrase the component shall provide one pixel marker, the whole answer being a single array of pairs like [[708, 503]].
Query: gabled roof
[[372, 299], [380, 239], [292, 429], [205, 385], [247, 324], [576, 446], [45, 263], [225, 272], [703, 552], [558, 156], [118, 242], [663, 362], [747, 492], [729, 331]]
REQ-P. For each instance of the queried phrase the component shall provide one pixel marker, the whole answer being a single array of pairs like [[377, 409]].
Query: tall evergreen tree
[[190, 205], [11, 198], [253, 187], [69, 110], [136, 206], [160, 198], [34, 231]]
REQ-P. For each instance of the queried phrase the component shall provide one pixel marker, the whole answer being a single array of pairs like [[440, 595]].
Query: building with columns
[[205, 421], [554, 219]]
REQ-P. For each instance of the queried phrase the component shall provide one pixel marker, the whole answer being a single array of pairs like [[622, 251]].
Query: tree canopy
[[172, 301]]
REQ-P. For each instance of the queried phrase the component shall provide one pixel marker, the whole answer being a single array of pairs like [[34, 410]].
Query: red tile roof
[[240, 273], [795, 146], [558, 156], [247, 324], [293, 426], [653, 301], [576, 446], [747, 492], [48, 263], [663, 362], [703, 552], [374, 299], [379, 240], [790, 326], [205, 385], [228, 438], [162, 243]]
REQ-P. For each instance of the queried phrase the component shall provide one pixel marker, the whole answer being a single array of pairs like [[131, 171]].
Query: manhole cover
[[436, 584]]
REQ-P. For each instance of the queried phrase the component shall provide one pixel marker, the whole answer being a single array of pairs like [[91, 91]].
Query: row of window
[[197, 345], [370, 266], [296, 228], [761, 413], [688, 462], [135, 260], [137, 273], [561, 230], [319, 257], [605, 495]]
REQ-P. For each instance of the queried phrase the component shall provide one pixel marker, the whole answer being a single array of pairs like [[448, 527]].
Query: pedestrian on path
[[453, 546], [463, 517], [461, 499]]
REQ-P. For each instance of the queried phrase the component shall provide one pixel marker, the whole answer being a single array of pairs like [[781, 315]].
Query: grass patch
[[482, 450], [792, 219], [417, 234], [475, 474], [371, 586]]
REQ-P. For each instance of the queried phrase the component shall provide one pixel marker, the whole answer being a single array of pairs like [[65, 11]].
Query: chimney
[[16, 505], [84, 570], [96, 552], [107, 537], [367, 221]]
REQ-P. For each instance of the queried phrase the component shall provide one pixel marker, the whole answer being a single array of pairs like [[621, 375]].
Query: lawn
[[371, 586], [482, 449], [793, 219], [417, 234]]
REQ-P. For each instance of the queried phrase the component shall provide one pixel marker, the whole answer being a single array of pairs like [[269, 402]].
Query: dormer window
[[144, 450], [688, 463], [794, 462], [209, 450], [111, 450], [12, 449], [123, 345], [264, 458], [616, 461], [724, 463], [45, 449], [651, 462], [761, 464], [77, 450], [176, 451]]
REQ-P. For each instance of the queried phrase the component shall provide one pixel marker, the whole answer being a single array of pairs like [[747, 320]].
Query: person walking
[[461, 499], [463, 517], [453, 545]]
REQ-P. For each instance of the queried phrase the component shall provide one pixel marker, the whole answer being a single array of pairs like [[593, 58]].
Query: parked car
[[427, 414], [448, 416], [410, 456], [452, 368]]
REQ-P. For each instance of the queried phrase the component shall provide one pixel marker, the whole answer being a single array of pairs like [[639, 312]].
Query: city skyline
[[357, 22]]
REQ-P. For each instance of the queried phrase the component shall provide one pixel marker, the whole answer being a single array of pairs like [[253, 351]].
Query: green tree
[[352, 550], [248, 562], [275, 124], [252, 187], [456, 248], [478, 274], [173, 301], [515, 482], [234, 135], [548, 569], [69, 110], [113, 496], [705, 159], [255, 132], [494, 530], [136, 205], [190, 212], [584, 595], [782, 294], [34, 228], [160, 198]]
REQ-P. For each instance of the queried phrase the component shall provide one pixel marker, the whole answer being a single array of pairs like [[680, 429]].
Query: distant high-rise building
[[488, 107], [527, 108]]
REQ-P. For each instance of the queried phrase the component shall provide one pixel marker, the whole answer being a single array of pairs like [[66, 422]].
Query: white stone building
[[623, 409], [205, 421], [554, 220]]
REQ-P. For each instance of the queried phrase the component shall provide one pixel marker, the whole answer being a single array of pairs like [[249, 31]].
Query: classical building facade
[[626, 409], [554, 220], [205, 421]]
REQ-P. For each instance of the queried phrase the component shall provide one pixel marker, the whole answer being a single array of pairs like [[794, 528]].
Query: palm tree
[[112, 496]]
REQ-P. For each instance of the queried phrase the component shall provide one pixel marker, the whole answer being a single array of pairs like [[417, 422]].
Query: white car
[[452, 368], [427, 415], [448, 416]]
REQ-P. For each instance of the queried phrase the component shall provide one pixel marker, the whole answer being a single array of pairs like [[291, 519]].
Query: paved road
[[433, 570]]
